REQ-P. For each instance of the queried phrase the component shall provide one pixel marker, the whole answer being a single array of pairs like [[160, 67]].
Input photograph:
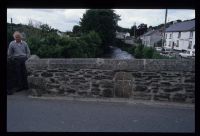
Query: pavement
[[25, 114]]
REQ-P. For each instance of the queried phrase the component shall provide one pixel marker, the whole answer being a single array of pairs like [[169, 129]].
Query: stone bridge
[[144, 79]]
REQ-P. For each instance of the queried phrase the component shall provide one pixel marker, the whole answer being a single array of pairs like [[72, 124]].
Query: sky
[[65, 19]]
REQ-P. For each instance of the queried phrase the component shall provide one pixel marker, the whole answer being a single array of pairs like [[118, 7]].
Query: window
[[170, 36], [193, 52], [190, 45], [191, 34], [177, 44], [179, 35], [170, 43], [165, 36]]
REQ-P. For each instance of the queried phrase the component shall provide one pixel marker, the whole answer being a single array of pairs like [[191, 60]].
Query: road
[[37, 115]]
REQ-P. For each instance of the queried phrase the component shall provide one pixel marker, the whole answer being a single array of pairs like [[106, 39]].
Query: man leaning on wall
[[18, 53]]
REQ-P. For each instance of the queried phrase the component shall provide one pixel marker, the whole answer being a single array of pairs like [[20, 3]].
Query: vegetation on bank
[[139, 51]]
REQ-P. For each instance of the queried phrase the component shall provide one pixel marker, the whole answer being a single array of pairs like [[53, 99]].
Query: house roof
[[152, 32], [148, 33], [182, 26]]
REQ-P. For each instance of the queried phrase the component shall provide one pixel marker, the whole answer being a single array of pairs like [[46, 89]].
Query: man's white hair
[[17, 33]]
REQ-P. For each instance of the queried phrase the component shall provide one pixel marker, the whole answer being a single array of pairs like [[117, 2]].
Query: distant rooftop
[[182, 26], [149, 33], [152, 32]]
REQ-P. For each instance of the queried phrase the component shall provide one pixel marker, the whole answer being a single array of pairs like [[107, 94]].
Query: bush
[[94, 46], [45, 42], [148, 52], [138, 53], [49, 51]]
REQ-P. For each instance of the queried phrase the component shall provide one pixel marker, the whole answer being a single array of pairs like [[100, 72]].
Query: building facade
[[122, 35], [181, 36], [151, 38]]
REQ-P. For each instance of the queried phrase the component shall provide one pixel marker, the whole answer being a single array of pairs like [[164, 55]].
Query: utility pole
[[11, 25], [164, 28], [134, 29]]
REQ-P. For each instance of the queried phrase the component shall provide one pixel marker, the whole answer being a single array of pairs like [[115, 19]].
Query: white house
[[122, 35], [130, 40], [151, 37], [181, 36]]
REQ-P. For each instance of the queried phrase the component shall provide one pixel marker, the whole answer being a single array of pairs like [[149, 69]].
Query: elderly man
[[18, 53]]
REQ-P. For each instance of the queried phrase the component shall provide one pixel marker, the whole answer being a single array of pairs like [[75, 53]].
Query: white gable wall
[[155, 38], [183, 41], [150, 40], [146, 41]]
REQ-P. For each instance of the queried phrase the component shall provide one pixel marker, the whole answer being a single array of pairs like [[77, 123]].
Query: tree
[[76, 30], [121, 29], [94, 44], [134, 30], [142, 28], [45, 27], [102, 21]]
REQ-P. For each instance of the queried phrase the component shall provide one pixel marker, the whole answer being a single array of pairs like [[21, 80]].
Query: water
[[117, 53]]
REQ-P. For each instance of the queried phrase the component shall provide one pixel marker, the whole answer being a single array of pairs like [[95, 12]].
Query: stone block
[[95, 85], [173, 89], [37, 82], [142, 96], [119, 89], [53, 91], [108, 85], [52, 85], [127, 90], [179, 97], [83, 93], [163, 83], [71, 90], [108, 92], [46, 74], [139, 88], [162, 97], [35, 92], [95, 91], [119, 76], [137, 75], [128, 76]]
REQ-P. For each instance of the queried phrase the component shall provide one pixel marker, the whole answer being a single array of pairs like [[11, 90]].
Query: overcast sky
[[65, 19]]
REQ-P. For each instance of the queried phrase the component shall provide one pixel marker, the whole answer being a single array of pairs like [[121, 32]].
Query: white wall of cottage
[[184, 40], [150, 40]]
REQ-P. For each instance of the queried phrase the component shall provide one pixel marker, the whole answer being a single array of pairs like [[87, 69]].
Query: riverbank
[[117, 53]]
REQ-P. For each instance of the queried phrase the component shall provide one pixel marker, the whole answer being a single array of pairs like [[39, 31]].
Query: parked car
[[166, 51], [159, 49], [187, 54]]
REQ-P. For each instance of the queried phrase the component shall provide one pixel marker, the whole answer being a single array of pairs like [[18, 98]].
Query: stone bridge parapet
[[144, 79]]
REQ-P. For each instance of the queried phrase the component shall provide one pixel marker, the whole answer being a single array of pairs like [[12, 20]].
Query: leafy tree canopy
[[102, 21]]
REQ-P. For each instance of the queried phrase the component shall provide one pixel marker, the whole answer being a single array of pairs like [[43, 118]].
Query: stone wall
[[144, 79]]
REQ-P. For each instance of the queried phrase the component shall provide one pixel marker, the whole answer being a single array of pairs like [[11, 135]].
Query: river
[[117, 53]]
